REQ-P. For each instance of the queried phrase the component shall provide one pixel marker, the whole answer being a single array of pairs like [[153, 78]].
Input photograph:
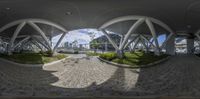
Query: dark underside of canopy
[[180, 15]]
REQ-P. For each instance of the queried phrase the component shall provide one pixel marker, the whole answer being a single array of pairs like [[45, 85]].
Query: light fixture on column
[[7, 8], [188, 26], [68, 13]]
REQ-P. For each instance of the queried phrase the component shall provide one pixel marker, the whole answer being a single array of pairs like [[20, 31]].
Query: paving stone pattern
[[87, 76]]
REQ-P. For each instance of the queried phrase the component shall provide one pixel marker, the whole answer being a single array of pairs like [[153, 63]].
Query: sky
[[82, 36], [161, 39]]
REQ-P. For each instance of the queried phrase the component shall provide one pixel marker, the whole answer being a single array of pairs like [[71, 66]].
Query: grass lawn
[[133, 59], [32, 58], [92, 54]]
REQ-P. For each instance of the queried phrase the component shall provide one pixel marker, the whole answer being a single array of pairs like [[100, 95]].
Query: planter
[[32, 65], [135, 66]]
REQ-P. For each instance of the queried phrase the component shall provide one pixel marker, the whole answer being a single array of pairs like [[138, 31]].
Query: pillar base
[[157, 53], [120, 53], [170, 46], [9, 53], [190, 46]]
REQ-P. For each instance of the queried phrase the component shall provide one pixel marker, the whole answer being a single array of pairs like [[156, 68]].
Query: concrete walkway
[[87, 76]]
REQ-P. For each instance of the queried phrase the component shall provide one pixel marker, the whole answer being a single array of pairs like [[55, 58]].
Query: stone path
[[87, 76]]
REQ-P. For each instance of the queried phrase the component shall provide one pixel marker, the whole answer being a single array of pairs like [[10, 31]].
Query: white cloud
[[183, 41], [82, 36]]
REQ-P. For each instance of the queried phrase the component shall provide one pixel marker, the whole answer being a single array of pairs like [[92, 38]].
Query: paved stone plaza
[[87, 76]]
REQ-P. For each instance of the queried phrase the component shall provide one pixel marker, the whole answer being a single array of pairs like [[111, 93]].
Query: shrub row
[[92, 54], [108, 56]]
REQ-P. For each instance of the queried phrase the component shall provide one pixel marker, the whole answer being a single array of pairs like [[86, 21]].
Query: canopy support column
[[190, 45], [131, 30], [20, 42], [153, 32], [170, 45], [136, 43], [14, 37], [41, 33], [59, 41], [110, 39]]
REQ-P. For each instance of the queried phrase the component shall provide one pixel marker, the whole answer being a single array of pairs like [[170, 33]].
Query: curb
[[103, 97], [197, 57], [135, 66], [33, 65]]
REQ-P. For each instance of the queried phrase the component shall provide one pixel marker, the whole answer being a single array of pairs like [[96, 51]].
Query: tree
[[95, 45]]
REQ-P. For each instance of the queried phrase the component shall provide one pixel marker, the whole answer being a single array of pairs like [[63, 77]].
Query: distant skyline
[[82, 36]]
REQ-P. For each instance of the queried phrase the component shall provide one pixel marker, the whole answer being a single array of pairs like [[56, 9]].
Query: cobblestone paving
[[87, 76]]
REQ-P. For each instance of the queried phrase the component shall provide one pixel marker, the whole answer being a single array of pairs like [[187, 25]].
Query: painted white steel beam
[[153, 32], [197, 34], [59, 41], [120, 19], [143, 43], [136, 43], [127, 44], [131, 30], [36, 44], [121, 39], [32, 23], [36, 39], [158, 22], [42, 21], [15, 35], [151, 43], [167, 39], [20, 42], [41, 33], [110, 39], [149, 21]]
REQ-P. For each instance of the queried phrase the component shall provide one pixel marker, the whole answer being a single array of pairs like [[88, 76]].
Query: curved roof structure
[[180, 15], [158, 17]]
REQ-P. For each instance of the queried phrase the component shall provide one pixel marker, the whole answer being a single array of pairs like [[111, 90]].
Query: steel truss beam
[[139, 20], [32, 23]]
